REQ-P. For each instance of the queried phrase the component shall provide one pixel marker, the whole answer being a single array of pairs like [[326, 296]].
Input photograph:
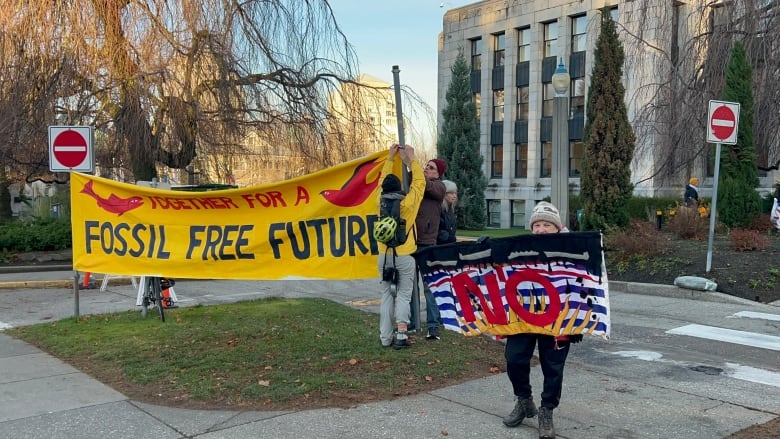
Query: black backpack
[[390, 206]]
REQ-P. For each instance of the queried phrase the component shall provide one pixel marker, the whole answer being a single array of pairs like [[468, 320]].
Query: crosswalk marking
[[754, 339], [747, 373], [758, 315]]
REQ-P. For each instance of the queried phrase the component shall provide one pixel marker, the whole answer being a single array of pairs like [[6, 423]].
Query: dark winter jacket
[[691, 196], [428, 216], [447, 226]]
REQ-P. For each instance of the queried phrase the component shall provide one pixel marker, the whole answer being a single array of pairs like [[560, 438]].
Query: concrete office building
[[514, 48]]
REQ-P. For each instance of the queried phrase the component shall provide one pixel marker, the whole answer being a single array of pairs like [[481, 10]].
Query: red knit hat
[[441, 166]]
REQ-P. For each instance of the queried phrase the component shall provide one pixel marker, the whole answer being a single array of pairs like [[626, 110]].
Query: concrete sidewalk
[[41, 396]]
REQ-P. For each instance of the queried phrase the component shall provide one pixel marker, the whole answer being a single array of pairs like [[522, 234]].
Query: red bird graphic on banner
[[113, 203], [356, 190]]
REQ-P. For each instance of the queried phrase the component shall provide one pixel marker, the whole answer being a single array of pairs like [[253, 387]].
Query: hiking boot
[[524, 408], [402, 343], [433, 334], [546, 429]]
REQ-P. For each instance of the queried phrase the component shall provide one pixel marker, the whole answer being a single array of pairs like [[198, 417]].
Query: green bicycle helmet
[[384, 229]]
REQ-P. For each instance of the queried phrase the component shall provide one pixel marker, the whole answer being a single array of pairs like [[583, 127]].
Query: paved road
[[678, 365]]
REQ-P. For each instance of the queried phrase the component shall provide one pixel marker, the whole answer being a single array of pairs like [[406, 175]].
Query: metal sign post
[[406, 181], [399, 116], [723, 124], [714, 208], [75, 293]]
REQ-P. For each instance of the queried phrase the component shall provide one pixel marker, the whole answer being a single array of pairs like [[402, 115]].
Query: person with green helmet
[[396, 264]]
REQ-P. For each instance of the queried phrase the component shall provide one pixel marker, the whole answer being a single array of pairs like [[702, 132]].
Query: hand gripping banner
[[552, 284]]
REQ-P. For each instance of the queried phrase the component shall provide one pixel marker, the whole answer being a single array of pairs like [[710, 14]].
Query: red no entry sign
[[723, 120], [70, 149]]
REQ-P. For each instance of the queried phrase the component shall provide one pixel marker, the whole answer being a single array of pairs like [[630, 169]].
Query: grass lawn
[[263, 354]]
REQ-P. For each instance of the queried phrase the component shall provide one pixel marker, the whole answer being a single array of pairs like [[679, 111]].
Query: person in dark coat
[[449, 222], [427, 229], [692, 193]]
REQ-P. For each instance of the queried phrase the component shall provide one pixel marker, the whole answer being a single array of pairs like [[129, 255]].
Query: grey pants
[[394, 310]]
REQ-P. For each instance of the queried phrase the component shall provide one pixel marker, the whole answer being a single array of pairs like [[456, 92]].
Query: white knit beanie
[[544, 211], [450, 186]]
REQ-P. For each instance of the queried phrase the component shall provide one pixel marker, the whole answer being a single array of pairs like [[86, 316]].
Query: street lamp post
[[560, 153]]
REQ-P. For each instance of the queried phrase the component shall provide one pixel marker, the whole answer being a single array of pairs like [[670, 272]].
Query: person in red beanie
[[427, 227]]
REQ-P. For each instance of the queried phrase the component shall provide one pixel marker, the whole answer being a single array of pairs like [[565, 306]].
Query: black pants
[[518, 353]]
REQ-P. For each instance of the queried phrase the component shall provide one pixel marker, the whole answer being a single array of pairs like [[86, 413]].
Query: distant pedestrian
[[691, 195], [552, 351]]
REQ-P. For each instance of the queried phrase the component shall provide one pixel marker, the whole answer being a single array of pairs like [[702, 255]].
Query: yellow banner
[[313, 227]]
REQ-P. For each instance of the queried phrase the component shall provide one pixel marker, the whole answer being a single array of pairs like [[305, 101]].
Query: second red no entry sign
[[722, 122]]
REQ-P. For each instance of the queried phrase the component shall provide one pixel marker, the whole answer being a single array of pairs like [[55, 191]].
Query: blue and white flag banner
[[552, 284]]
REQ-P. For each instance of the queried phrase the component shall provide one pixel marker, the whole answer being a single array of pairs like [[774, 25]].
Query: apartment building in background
[[514, 47], [366, 114]]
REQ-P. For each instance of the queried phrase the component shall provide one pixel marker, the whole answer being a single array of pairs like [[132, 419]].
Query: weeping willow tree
[[679, 64], [179, 84]]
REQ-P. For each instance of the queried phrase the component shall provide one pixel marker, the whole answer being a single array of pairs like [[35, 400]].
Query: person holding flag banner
[[544, 290]]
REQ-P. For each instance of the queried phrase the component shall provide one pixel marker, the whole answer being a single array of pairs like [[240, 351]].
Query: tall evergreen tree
[[609, 138], [738, 202], [458, 145]]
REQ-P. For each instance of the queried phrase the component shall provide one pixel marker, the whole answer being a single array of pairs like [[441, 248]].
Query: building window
[[522, 103], [518, 214], [579, 30], [499, 46], [476, 54], [548, 95], [524, 44], [521, 160], [497, 161], [478, 104], [613, 12], [577, 92], [550, 47], [498, 105], [494, 213], [546, 161], [576, 154]]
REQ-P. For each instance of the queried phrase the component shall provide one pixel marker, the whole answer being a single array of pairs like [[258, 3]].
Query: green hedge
[[640, 208], [35, 234]]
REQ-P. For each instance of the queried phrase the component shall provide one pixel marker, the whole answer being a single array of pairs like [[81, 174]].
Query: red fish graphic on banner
[[357, 189], [113, 203]]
